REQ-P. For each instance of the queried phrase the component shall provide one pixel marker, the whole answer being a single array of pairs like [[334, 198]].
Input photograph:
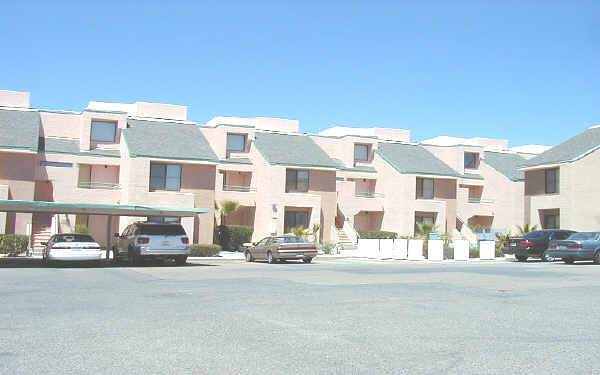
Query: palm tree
[[299, 231], [226, 208], [524, 229], [315, 229]]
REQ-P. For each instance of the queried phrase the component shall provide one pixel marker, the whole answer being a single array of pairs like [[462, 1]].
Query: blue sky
[[525, 71]]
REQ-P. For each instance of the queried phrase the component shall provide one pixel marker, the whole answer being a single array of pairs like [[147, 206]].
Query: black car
[[534, 244]]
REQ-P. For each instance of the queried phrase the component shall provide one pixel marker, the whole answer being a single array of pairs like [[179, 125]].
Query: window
[[551, 181], [422, 219], [296, 181], [163, 219], [293, 219], [551, 221], [471, 160], [361, 153], [104, 131], [425, 188], [55, 164], [236, 142], [165, 177]]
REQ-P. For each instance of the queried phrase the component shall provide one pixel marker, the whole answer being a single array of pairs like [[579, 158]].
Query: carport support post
[[109, 236]]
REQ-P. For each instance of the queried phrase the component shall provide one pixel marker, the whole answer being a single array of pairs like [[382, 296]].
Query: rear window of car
[[73, 238], [584, 236], [288, 239], [165, 230]]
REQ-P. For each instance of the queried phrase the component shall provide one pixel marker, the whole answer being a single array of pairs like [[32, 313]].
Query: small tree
[[315, 229], [226, 208], [524, 229], [298, 231], [424, 230]]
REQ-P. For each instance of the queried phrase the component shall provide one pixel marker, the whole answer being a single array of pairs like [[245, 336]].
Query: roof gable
[[506, 163], [292, 150], [156, 139], [19, 129], [570, 150], [414, 159]]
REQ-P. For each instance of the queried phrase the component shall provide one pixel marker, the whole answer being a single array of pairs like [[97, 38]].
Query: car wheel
[[547, 258], [307, 260], [521, 258], [249, 257], [270, 258], [597, 257], [568, 260], [180, 260]]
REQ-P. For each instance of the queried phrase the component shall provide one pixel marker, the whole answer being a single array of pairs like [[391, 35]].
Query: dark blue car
[[579, 246]]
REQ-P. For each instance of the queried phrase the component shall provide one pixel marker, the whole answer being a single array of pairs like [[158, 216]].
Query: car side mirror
[[116, 235], [44, 243], [248, 244]]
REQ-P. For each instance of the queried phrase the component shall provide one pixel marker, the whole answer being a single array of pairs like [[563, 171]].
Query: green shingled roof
[[155, 139], [71, 146], [505, 163], [293, 150], [414, 159], [19, 129], [570, 150]]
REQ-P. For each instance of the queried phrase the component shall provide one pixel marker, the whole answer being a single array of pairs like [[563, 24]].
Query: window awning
[[96, 209]]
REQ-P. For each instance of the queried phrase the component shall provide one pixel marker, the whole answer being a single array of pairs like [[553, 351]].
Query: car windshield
[[162, 229], [532, 235], [583, 236], [287, 239], [73, 238]]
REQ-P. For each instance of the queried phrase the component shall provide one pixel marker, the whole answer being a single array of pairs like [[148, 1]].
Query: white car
[[73, 247]]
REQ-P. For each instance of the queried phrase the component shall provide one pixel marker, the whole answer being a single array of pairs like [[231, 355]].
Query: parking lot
[[343, 316]]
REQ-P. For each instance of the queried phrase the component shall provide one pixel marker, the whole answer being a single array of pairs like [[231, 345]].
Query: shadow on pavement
[[22, 262]]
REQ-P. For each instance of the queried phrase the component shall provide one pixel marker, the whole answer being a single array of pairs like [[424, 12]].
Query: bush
[[326, 247], [13, 244], [231, 237], [474, 252], [498, 253], [448, 252], [377, 234], [204, 250]]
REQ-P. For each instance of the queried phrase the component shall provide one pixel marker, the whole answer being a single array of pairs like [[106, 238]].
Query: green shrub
[[448, 252], [204, 250], [326, 247], [474, 252], [498, 253], [231, 237], [13, 244], [377, 234]]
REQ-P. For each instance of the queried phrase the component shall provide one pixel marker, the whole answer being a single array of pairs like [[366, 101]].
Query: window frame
[[295, 213], [165, 177], [368, 152], [294, 188], [556, 221], [421, 186], [245, 138], [556, 179], [114, 135], [475, 160]]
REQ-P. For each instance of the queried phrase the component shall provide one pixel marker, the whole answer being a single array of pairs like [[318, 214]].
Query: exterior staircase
[[41, 233], [344, 240]]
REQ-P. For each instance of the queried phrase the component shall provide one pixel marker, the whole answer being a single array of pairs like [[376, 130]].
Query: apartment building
[[562, 184], [342, 179]]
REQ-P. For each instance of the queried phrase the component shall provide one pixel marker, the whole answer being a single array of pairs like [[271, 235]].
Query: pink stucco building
[[343, 179]]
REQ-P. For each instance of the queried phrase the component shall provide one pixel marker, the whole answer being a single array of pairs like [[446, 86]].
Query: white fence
[[401, 249]]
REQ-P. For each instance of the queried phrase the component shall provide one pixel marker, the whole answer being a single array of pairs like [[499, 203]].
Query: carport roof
[[95, 209]]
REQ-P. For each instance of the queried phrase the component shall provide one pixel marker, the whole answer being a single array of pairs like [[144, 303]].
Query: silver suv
[[143, 240]]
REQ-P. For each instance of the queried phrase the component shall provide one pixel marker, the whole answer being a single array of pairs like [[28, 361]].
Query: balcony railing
[[367, 194], [98, 185], [479, 200], [238, 188]]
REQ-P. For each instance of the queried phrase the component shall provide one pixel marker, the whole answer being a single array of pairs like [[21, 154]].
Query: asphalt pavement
[[343, 316]]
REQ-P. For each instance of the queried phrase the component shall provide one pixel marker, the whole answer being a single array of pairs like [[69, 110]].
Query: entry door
[[294, 219]]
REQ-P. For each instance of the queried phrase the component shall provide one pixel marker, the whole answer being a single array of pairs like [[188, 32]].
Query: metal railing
[[479, 200], [367, 194], [98, 185], [238, 188]]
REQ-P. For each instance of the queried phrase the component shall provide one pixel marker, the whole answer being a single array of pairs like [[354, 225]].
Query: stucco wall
[[17, 171]]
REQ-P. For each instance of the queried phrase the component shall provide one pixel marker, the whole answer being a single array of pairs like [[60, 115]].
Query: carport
[[110, 210]]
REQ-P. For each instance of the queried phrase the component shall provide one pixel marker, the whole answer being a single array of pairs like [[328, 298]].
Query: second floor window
[[236, 142], [552, 181], [296, 181], [471, 160], [165, 177], [104, 131], [425, 188], [361, 153]]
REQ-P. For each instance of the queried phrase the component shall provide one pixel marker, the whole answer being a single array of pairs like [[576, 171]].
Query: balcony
[[368, 194], [240, 188], [98, 185]]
